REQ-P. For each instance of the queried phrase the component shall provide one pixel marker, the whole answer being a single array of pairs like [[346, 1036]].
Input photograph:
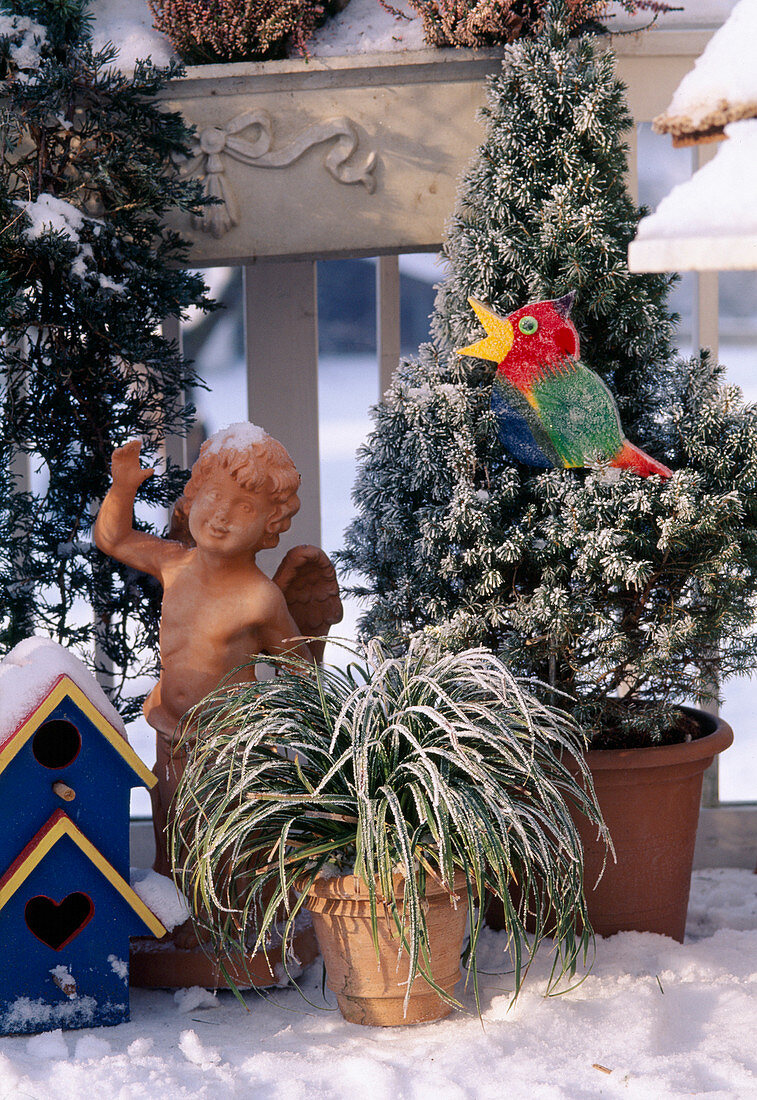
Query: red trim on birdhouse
[[33, 843]]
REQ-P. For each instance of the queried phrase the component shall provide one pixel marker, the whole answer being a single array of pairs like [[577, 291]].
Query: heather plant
[[236, 30], [474, 23]]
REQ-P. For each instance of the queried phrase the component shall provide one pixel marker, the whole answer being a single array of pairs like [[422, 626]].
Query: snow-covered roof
[[27, 674], [710, 221], [722, 86]]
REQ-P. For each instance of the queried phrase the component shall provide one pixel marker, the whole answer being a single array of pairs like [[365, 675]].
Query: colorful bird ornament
[[551, 410]]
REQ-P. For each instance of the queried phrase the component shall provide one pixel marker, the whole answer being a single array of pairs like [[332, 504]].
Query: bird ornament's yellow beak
[[499, 338]]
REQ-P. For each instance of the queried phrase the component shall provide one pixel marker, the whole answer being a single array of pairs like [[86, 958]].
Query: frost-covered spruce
[[589, 580], [88, 274]]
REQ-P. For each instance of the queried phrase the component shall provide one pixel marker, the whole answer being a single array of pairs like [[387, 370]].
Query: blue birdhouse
[[66, 907]]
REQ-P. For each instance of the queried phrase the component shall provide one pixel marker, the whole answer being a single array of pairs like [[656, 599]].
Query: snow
[[64, 980], [47, 213], [694, 14], [161, 896], [719, 199], [27, 39], [50, 214], [364, 26], [28, 672], [120, 967], [665, 1019], [128, 25], [725, 76], [237, 437], [24, 1013], [189, 1000]]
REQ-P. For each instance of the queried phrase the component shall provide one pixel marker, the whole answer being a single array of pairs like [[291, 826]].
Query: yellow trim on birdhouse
[[65, 827], [66, 687]]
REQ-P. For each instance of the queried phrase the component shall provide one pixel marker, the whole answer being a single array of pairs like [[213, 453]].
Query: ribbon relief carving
[[214, 143]]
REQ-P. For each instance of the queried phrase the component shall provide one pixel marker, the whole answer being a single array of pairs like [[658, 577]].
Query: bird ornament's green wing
[[578, 414]]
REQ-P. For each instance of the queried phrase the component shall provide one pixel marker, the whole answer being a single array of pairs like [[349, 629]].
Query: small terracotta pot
[[370, 991], [650, 800]]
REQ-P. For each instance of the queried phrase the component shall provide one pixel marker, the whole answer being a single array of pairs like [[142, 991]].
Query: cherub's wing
[[308, 580]]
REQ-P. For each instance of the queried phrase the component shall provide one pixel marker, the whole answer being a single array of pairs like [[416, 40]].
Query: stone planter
[[357, 155]]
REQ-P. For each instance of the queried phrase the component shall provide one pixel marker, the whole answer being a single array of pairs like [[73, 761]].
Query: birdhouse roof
[[58, 826], [28, 672], [38, 704]]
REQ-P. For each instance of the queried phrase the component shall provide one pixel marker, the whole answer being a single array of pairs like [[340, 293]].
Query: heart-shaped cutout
[[56, 923]]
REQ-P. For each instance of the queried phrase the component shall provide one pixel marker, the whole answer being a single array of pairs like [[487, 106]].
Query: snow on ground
[[364, 26], [653, 1019]]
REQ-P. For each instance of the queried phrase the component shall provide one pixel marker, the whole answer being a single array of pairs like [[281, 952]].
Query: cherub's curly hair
[[264, 464]]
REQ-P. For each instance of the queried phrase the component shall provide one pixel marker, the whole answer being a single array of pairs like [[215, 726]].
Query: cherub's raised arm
[[114, 533]]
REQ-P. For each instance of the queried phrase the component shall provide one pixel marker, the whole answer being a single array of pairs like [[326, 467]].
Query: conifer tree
[[87, 176], [597, 582]]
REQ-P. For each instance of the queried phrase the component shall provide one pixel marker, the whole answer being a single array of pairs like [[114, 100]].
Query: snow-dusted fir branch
[[592, 580]]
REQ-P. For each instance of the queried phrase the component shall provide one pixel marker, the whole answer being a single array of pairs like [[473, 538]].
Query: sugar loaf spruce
[[591, 579], [88, 274]]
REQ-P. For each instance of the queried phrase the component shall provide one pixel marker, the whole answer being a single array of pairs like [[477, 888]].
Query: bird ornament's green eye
[[528, 325]]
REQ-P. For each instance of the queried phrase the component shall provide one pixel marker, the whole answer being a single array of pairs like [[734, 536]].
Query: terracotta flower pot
[[650, 801], [371, 992]]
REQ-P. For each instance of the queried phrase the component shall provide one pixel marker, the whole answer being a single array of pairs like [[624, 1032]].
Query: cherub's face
[[227, 519]]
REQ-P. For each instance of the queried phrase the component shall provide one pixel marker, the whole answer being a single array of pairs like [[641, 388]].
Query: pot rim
[[353, 888], [660, 756]]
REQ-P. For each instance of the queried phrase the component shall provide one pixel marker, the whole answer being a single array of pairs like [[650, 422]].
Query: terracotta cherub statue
[[219, 610]]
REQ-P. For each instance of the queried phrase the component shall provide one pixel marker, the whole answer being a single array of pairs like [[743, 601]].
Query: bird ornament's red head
[[526, 343], [549, 407]]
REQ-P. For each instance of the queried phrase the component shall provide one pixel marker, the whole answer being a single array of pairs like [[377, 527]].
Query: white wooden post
[[705, 335], [632, 181], [387, 319], [281, 341], [174, 446]]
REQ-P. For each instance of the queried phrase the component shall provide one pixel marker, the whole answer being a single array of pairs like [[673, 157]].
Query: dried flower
[[475, 23], [204, 31]]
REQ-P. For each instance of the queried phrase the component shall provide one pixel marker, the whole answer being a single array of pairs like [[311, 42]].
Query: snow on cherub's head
[[258, 463]]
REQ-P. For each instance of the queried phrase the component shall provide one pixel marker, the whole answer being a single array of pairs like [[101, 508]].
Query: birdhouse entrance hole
[[57, 923], [56, 743]]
